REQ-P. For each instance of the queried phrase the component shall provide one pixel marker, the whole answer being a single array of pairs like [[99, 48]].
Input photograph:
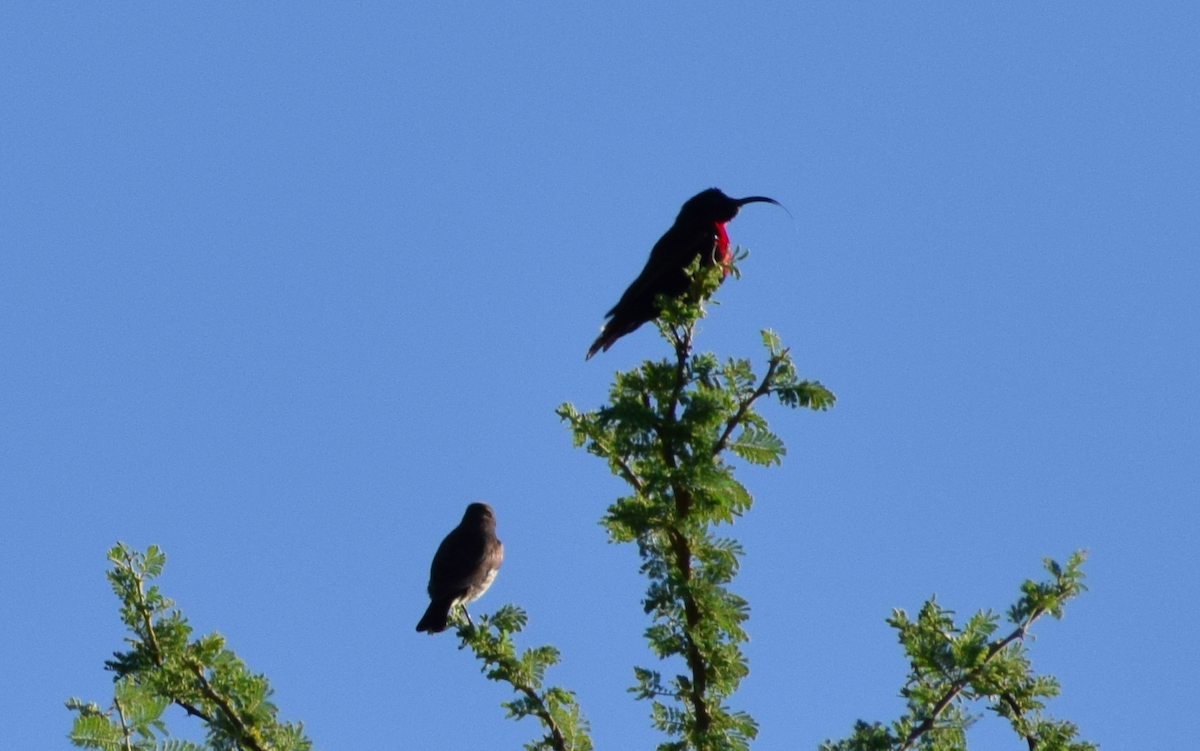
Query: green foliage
[[132, 722], [955, 666], [665, 431], [555, 707], [163, 666]]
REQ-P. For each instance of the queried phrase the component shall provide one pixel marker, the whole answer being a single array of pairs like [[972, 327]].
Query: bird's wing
[[457, 563], [673, 251]]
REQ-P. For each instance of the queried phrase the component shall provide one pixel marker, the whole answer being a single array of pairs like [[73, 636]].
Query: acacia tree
[[165, 666], [666, 431]]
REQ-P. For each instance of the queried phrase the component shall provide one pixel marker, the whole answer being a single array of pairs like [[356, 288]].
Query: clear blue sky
[[284, 287]]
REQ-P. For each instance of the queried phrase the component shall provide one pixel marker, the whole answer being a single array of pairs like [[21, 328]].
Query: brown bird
[[463, 568]]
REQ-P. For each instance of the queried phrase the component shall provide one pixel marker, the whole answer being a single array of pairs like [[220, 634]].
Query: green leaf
[[759, 446], [96, 731], [771, 341]]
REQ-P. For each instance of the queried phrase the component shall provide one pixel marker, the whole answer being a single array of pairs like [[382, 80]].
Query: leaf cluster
[[954, 667], [165, 666], [555, 707], [666, 430]]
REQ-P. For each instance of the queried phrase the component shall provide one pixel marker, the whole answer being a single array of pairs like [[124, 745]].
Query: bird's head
[[478, 512], [714, 206]]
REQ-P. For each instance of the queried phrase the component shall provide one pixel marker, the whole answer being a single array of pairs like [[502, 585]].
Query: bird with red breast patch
[[699, 230]]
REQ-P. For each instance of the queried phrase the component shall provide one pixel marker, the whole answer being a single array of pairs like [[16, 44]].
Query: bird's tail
[[614, 329], [603, 342], [436, 616]]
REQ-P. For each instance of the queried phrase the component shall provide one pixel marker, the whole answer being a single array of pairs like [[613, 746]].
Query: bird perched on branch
[[699, 230], [464, 567]]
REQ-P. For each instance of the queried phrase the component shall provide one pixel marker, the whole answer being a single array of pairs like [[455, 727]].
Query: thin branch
[[543, 712], [243, 732], [193, 711], [683, 562], [958, 686], [763, 389], [683, 348], [144, 610], [695, 660], [627, 473], [152, 640], [1011, 701], [508, 667], [126, 733], [678, 541]]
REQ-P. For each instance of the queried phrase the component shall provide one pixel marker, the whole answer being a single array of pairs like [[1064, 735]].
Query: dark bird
[[464, 567], [699, 230]]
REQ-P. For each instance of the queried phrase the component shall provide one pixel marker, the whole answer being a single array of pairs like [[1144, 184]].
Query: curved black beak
[[740, 202], [756, 199]]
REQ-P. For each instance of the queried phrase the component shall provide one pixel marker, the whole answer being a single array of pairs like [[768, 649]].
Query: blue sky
[[284, 287]]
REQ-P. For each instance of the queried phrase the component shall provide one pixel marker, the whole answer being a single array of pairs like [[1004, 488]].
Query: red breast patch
[[722, 248]]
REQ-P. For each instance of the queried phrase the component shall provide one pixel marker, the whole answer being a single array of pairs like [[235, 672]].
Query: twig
[[695, 660], [627, 472], [152, 639], [212, 695], [144, 609], [543, 712], [763, 389], [125, 732], [958, 686], [683, 347], [1010, 700]]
